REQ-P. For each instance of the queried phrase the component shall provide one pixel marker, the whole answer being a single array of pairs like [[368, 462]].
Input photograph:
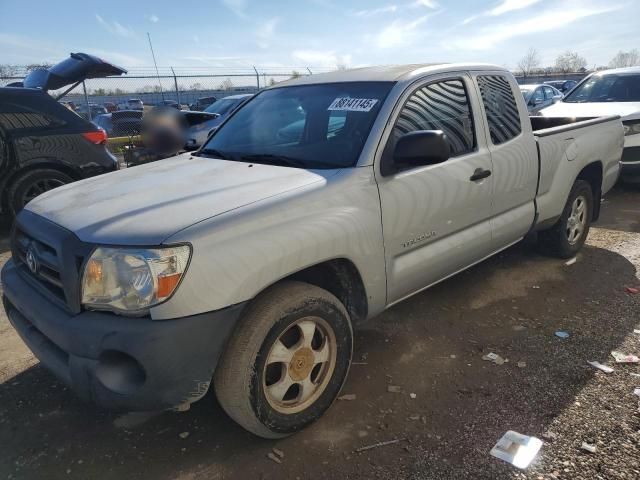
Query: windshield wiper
[[271, 159], [212, 153]]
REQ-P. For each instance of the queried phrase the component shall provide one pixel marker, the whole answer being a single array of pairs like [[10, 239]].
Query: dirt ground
[[431, 346]]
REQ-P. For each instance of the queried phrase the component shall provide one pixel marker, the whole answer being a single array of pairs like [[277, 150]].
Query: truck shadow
[[430, 345]]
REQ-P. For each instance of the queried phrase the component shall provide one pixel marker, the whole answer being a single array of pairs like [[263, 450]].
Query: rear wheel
[[30, 184], [286, 361], [567, 236]]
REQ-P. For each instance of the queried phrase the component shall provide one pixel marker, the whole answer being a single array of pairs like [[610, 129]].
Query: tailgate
[[566, 149]]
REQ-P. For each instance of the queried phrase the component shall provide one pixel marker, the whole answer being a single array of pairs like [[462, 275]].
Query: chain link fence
[[184, 87]]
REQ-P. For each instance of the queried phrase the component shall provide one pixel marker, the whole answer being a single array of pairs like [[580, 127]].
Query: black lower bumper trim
[[120, 363]]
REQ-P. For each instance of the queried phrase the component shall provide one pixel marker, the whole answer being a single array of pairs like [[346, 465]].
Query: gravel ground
[[430, 345]]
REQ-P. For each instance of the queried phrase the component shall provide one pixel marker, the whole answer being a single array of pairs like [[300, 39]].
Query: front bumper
[[119, 363], [630, 164]]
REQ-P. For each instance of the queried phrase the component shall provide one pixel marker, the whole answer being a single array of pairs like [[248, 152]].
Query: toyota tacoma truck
[[318, 204]]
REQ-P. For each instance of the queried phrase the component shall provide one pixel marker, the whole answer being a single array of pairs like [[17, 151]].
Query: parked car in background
[[202, 103], [168, 103], [44, 144], [539, 96], [609, 92], [95, 109], [132, 104], [122, 123], [246, 265], [222, 108], [563, 86], [110, 106]]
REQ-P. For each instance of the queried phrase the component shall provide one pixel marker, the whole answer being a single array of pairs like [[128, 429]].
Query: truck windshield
[[307, 126], [607, 88]]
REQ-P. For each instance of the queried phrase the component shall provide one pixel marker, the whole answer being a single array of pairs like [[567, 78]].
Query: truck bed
[[566, 145]]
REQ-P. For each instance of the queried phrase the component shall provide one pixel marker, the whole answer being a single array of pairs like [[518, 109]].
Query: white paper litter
[[600, 366], [624, 358], [517, 449]]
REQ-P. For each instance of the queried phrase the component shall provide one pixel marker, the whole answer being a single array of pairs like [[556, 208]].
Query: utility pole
[[156, 65]]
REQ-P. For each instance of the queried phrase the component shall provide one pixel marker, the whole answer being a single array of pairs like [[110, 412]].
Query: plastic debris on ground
[[348, 396], [588, 447], [413, 395], [624, 358], [561, 334], [600, 366], [494, 357], [637, 392], [635, 330], [517, 449], [571, 261], [632, 290], [272, 456]]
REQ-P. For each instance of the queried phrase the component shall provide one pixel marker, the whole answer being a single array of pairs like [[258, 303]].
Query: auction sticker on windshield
[[353, 104]]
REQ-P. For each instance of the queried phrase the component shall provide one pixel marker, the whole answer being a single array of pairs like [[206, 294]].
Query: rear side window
[[501, 109], [440, 106], [27, 120]]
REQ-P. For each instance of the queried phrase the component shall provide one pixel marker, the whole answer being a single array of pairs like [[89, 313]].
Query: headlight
[[631, 128], [130, 280]]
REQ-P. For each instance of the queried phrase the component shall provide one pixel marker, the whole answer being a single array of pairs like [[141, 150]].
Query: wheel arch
[[340, 277], [593, 174]]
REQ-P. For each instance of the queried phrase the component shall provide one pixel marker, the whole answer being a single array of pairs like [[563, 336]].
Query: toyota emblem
[[32, 261]]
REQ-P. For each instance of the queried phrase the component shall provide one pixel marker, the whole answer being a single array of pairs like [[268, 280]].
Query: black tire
[[557, 240], [242, 382], [23, 188]]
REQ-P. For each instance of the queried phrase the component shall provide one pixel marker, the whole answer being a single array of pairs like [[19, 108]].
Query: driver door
[[436, 218]]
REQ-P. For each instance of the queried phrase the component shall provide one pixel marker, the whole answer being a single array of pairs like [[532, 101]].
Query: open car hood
[[76, 68]]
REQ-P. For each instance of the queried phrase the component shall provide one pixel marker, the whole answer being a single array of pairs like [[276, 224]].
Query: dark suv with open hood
[[43, 144]]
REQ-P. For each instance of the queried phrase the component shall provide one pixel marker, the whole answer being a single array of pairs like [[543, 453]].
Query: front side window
[[500, 107], [307, 126], [548, 93], [442, 106], [607, 88]]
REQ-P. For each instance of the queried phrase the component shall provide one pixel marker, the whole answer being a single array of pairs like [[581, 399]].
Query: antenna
[[154, 62]]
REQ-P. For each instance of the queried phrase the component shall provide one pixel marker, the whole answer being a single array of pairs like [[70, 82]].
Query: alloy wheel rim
[[39, 187], [577, 221], [299, 365]]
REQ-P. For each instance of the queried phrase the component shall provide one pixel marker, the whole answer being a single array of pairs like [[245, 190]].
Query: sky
[[317, 33]]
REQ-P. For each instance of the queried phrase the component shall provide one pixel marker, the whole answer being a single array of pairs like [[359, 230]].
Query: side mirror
[[416, 149]]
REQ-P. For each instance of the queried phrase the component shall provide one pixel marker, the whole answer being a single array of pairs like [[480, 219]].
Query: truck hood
[[626, 110], [76, 68], [146, 204]]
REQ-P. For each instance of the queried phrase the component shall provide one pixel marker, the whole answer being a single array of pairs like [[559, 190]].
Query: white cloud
[[425, 3], [115, 28], [549, 20], [510, 5], [399, 33], [321, 58], [265, 32], [236, 6], [153, 18], [375, 11]]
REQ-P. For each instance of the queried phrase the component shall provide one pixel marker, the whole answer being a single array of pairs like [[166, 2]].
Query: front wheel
[[567, 236], [286, 361]]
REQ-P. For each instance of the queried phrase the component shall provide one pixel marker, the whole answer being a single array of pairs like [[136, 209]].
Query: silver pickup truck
[[317, 205]]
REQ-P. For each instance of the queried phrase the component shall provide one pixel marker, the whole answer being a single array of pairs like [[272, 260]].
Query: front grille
[[45, 266], [49, 257]]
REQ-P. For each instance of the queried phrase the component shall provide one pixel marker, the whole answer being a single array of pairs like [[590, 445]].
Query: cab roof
[[386, 73]]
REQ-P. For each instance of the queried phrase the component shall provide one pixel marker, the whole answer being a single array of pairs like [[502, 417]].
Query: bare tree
[[7, 71], [295, 74], [37, 66], [625, 59], [226, 85], [529, 62], [570, 62]]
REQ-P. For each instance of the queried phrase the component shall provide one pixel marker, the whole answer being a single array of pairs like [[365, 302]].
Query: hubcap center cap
[[301, 364]]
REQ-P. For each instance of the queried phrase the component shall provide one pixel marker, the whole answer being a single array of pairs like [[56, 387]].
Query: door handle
[[479, 174]]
